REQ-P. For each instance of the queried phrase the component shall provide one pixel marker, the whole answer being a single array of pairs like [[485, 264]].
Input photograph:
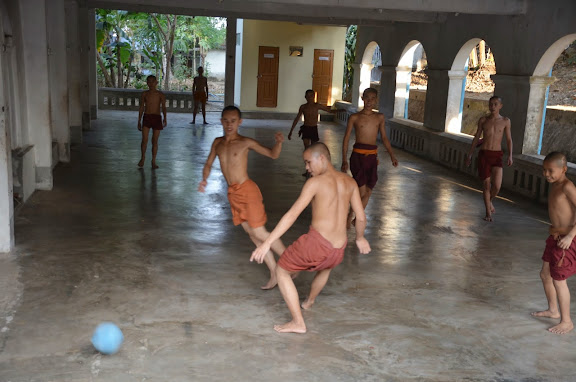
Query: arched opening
[[552, 95], [470, 86], [410, 75], [367, 67]]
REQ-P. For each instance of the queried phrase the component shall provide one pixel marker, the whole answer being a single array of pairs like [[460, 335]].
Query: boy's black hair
[[234, 108]]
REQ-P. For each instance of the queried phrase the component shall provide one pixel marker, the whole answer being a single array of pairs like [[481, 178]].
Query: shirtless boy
[[243, 194], [322, 248], [492, 127], [200, 92], [309, 130], [559, 259], [151, 101], [364, 159]]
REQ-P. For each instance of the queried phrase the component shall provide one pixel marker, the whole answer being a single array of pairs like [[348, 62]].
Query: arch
[[538, 98], [461, 58], [404, 78], [366, 70]]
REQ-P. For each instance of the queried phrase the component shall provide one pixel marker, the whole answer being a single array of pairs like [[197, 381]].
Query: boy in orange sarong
[[331, 194], [364, 159], [244, 195]]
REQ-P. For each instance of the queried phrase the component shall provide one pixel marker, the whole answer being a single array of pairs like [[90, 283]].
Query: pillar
[[356, 85], [74, 72], [514, 91], [93, 76], [436, 99], [230, 72], [36, 79], [456, 84], [535, 115], [84, 36], [364, 80], [58, 77], [386, 98], [403, 79], [6, 193]]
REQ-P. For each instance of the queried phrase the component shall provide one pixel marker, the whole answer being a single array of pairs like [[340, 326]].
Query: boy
[[559, 259], [244, 195], [150, 102], [200, 92], [490, 156], [309, 130], [322, 248], [364, 159]]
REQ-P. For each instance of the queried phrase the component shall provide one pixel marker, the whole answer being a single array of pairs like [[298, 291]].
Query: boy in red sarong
[[559, 259], [151, 101], [331, 193]]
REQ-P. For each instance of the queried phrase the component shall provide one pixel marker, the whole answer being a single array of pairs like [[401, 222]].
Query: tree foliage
[[349, 59], [164, 41]]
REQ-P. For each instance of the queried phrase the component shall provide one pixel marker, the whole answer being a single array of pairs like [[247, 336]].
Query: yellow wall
[[294, 73]]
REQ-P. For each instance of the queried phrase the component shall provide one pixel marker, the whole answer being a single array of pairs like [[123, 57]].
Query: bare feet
[[307, 304], [154, 166], [141, 163], [291, 327], [270, 284], [562, 328], [546, 313], [488, 217], [492, 209], [205, 122]]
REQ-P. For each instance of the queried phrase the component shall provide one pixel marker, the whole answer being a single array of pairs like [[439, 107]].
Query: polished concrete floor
[[444, 296]]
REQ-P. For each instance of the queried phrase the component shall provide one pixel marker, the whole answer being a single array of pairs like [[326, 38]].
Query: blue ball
[[107, 338]]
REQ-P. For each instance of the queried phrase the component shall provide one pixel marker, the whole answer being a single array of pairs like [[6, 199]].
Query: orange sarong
[[311, 252], [246, 204]]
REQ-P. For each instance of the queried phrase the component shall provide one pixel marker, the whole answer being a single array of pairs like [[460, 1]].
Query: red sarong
[[311, 252], [152, 121], [200, 96], [486, 160], [364, 164], [562, 261], [246, 204]]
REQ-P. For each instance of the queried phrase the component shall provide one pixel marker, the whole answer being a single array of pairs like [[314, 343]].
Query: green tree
[[349, 59]]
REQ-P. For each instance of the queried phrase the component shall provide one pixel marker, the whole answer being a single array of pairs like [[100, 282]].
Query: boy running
[[243, 194], [151, 101], [322, 248], [364, 159], [492, 127], [559, 259]]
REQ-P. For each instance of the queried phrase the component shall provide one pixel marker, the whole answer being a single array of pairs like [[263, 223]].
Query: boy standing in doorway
[[151, 101]]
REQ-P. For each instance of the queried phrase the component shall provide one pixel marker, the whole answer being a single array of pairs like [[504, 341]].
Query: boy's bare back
[[493, 129], [333, 192], [153, 101]]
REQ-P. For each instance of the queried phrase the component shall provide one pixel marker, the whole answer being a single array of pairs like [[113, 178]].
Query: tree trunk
[[169, 47], [482, 51], [129, 70], [107, 78]]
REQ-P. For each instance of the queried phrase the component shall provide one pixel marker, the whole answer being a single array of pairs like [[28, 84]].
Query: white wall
[[238, 68], [216, 60]]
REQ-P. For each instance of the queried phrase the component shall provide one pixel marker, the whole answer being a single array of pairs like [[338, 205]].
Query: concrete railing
[[129, 99]]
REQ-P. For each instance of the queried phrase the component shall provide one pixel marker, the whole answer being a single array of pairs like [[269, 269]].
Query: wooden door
[[267, 93], [322, 75]]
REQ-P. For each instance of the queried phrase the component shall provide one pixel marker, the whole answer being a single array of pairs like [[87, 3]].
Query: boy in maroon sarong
[[151, 101], [492, 127], [331, 194], [364, 159], [559, 259]]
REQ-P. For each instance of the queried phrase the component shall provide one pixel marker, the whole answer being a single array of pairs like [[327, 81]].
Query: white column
[[58, 77], [356, 85], [74, 72], [6, 196], [535, 114], [93, 79], [457, 80], [403, 78], [35, 49], [365, 75], [230, 75]]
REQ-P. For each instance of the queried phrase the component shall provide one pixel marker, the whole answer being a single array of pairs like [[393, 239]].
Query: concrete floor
[[444, 296]]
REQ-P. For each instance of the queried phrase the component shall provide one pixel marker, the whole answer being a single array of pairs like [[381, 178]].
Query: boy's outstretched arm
[[346, 141], [475, 140], [570, 191], [274, 152], [308, 192], [141, 109], [358, 209], [295, 122], [208, 167], [508, 129], [386, 142]]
